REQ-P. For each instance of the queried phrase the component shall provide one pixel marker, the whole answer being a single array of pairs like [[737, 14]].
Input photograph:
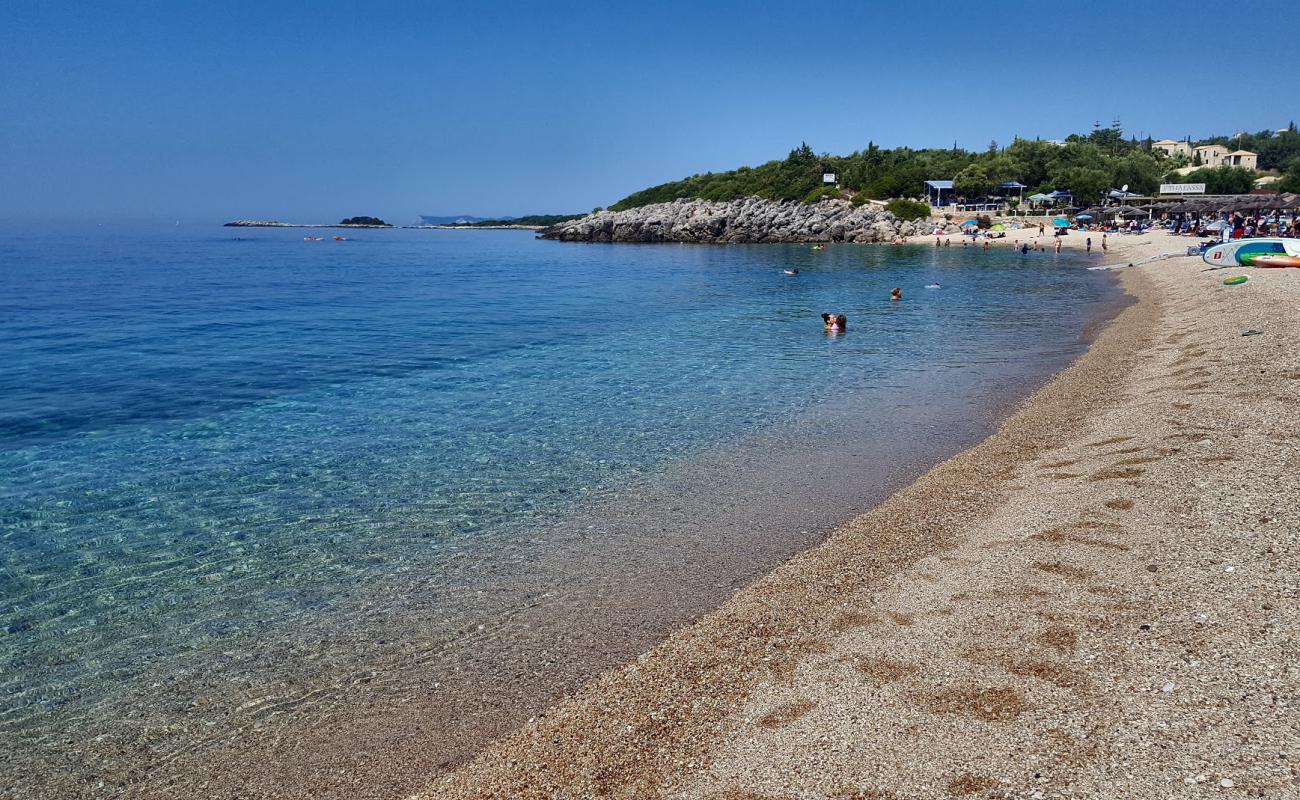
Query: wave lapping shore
[[1097, 601], [751, 220]]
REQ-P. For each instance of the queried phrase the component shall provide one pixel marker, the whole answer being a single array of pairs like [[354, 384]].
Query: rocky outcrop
[[740, 221]]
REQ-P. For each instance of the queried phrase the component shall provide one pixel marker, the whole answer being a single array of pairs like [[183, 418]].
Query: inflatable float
[[1235, 280], [1244, 252]]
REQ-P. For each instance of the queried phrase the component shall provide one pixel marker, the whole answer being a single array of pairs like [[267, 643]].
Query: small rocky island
[[350, 222], [749, 220]]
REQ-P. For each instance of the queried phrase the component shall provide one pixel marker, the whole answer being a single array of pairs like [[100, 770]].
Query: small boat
[[339, 238], [312, 238], [791, 271], [819, 247]]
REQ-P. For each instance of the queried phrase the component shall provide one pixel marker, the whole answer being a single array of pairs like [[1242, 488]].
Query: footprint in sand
[[1116, 474], [785, 714], [1112, 440], [996, 704]]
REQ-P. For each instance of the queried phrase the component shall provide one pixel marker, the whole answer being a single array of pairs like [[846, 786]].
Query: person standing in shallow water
[[1089, 244], [896, 294]]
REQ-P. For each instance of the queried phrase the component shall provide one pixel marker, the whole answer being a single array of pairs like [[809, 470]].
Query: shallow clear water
[[209, 436]]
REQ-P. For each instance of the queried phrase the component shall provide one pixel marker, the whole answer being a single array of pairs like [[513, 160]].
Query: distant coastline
[[272, 224]]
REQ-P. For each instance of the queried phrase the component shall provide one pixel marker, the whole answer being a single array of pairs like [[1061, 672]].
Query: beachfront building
[[1171, 148]]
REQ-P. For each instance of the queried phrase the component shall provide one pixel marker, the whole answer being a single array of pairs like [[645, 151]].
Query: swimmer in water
[[896, 294], [933, 286], [835, 324]]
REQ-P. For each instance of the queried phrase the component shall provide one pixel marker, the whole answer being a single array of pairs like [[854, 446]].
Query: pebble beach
[[1096, 601]]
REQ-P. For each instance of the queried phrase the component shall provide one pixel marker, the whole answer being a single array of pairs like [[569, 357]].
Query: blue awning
[[939, 185], [1012, 185]]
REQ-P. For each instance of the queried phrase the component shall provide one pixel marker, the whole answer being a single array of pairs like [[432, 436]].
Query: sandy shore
[[1097, 601]]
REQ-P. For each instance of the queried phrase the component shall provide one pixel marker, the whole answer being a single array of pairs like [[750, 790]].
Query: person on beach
[[1103, 243], [1089, 244], [1058, 245], [896, 294], [1042, 228], [835, 324]]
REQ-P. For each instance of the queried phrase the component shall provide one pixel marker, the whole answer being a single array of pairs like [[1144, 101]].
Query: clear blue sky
[[311, 111]]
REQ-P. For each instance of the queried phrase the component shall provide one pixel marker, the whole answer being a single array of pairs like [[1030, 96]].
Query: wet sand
[[1096, 601]]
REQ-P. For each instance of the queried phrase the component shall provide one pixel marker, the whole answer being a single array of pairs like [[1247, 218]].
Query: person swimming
[[933, 286], [835, 324], [896, 294]]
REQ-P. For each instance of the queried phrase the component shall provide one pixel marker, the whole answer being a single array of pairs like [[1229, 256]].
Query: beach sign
[[1182, 188]]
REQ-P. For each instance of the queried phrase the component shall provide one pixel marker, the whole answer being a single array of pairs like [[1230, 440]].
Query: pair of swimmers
[[834, 323]]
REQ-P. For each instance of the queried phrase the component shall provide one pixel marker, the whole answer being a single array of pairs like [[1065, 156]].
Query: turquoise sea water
[[211, 437]]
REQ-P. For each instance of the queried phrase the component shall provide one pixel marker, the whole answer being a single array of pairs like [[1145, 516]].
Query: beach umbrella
[[1216, 226], [998, 227], [1084, 217], [1134, 213], [1061, 223], [969, 222]]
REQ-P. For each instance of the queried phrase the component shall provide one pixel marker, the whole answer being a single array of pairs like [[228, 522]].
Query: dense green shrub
[[818, 195], [1220, 180], [860, 199], [908, 210], [363, 221]]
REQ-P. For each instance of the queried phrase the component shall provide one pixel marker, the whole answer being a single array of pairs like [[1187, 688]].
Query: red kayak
[[1275, 261]]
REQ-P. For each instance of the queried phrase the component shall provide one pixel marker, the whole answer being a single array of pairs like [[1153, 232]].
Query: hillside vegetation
[[1087, 166]]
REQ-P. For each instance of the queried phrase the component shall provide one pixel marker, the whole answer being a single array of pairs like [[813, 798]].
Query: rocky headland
[[749, 220]]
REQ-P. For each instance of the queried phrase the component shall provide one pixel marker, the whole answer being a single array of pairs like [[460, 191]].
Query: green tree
[[1139, 170], [1219, 180], [1291, 179], [1033, 158], [974, 181], [1085, 184]]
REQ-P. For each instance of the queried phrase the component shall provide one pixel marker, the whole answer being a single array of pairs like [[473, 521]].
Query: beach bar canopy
[[1017, 185], [936, 189]]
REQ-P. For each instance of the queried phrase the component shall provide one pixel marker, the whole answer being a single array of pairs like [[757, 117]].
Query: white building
[[1172, 148]]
